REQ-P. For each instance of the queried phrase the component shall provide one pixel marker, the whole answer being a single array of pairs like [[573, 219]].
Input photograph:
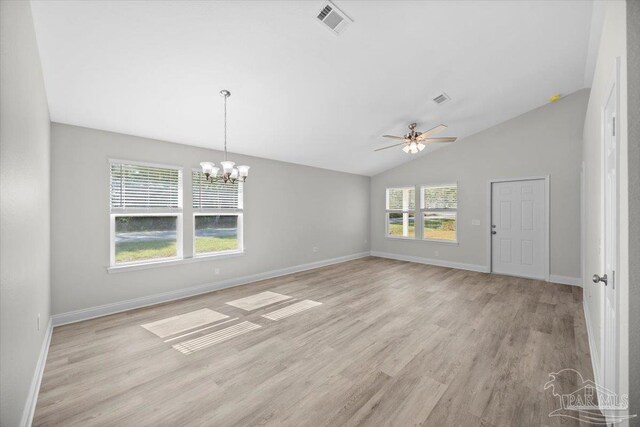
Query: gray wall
[[545, 141], [24, 224], [633, 103], [612, 46], [288, 209]]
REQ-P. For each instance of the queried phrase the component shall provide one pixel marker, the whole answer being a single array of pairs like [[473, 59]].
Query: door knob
[[494, 232], [602, 279]]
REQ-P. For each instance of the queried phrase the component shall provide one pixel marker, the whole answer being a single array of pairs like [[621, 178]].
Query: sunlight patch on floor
[[183, 322], [256, 301]]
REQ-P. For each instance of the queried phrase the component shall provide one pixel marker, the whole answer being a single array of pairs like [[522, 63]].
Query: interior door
[[607, 282], [518, 228]]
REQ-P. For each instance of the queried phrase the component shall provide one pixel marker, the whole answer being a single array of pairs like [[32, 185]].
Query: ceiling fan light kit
[[414, 141], [230, 173]]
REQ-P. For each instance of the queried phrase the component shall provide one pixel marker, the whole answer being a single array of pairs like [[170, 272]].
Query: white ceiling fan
[[415, 141]]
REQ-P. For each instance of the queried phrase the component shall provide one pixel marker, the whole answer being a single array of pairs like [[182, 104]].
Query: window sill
[[169, 262], [412, 239], [446, 242], [209, 256], [400, 238]]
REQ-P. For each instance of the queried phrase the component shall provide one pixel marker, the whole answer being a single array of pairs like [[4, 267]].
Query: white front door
[[518, 228], [609, 345]]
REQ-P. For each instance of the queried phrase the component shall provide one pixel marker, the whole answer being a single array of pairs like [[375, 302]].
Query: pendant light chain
[[225, 127]]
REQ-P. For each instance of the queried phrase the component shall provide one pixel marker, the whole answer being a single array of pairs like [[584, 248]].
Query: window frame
[[423, 210], [146, 212], [239, 212], [112, 227], [403, 211]]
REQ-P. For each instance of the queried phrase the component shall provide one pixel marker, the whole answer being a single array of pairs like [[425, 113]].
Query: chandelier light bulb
[[227, 166], [243, 171], [207, 168]]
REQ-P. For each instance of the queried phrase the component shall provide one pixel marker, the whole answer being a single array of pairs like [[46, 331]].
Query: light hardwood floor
[[393, 343]]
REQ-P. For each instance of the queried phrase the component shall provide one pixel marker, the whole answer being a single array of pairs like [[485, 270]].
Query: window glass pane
[[401, 198], [401, 224], [440, 225], [215, 233], [140, 238]]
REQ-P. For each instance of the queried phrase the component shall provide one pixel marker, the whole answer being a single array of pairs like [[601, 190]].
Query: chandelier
[[230, 172]]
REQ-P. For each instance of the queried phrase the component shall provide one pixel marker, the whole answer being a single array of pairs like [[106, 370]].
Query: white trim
[[147, 164], [167, 262], [423, 210], [595, 358], [411, 239], [450, 242], [32, 398], [565, 280], [112, 241], [612, 87], [547, 234], [430, 261], [117, 307], [583, 224], [403, 211]]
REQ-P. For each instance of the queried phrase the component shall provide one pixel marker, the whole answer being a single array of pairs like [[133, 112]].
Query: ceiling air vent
[[333, 18], [441, 99]]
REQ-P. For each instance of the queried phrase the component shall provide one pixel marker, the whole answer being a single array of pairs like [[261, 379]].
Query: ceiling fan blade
[[393, 136], [430, 132], [443, 139], [391, 146]]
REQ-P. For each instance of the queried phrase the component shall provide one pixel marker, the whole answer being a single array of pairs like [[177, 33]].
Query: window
[[401, 204], [217, 217], [439, 209], [146, 213]]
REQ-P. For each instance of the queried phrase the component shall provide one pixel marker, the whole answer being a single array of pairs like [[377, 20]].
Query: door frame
[[547, 211], [614, 84]]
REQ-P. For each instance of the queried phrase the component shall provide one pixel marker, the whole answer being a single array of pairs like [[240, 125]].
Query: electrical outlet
[[38, 321], [216, 271], [437, 253], [475, 222], [315, 249]]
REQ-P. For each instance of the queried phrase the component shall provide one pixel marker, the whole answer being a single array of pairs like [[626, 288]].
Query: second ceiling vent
[[333, 18], [441, 99]]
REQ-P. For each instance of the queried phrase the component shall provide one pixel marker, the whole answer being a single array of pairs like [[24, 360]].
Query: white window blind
[[215, 195], [139, 186], [444, 198], [401, 198]]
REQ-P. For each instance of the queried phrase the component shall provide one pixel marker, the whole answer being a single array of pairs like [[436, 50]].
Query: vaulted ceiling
[[300, 93]]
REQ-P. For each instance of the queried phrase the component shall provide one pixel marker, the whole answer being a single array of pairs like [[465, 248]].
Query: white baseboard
[[34, 389], [565, 280], [595, 359], [120, 306], [429, 261]]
